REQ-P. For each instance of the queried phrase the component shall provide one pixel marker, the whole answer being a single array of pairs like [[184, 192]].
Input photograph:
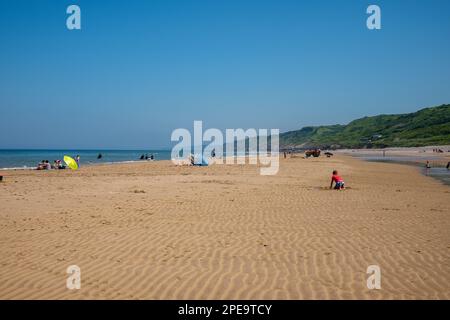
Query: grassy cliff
[[429, 126]]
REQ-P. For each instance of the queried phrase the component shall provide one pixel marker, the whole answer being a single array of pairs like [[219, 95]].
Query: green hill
[[429, 126]]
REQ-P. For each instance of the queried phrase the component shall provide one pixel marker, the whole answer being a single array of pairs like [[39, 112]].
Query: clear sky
[[139, 69]]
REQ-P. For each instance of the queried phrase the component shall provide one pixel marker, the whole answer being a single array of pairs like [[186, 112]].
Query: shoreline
[[410, 156], [422, 153], [28, 159], [413, 157], [82, 165]]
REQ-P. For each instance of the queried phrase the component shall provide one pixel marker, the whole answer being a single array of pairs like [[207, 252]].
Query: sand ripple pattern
[[156, 231]]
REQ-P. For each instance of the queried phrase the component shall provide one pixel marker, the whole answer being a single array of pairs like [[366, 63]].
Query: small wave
[[18, 168]]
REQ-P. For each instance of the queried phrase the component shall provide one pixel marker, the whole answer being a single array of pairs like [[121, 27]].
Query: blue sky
[[139, 69]]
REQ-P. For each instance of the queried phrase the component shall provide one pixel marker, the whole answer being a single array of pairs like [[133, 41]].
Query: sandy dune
[[156, 231]]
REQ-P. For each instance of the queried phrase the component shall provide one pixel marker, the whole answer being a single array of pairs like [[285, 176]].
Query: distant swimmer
[[142, 157], [99, 156], [448, 166], [428, 165]]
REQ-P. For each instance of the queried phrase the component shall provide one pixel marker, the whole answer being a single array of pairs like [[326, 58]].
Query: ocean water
[[26, 159]]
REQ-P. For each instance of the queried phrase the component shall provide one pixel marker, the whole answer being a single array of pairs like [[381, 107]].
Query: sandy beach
[[157, 231]]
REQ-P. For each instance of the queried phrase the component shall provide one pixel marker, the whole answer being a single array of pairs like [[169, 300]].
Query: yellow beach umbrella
[[71, 163]]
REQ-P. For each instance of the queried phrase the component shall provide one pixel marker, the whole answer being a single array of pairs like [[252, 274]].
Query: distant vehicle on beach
[[315, 153]]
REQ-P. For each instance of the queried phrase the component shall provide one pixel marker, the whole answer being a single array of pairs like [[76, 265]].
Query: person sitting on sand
[[44, 165], [41, 165], [339, 182], [59, 165]]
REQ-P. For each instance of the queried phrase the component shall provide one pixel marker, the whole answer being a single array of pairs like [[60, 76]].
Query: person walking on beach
[[339, 182]]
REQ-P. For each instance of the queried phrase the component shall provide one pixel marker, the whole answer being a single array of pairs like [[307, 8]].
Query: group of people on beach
[[147, 157], [46, 165], [57, 164]]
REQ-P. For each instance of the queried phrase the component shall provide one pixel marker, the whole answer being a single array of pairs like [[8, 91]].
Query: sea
[[29, 159]]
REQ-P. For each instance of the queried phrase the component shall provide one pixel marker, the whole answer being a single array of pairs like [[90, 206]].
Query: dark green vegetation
[[429, 126]]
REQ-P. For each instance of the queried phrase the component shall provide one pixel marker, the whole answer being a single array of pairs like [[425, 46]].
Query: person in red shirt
[[339, 182]]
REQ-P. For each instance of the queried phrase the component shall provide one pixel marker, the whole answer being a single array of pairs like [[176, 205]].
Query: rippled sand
[[157, 231]]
